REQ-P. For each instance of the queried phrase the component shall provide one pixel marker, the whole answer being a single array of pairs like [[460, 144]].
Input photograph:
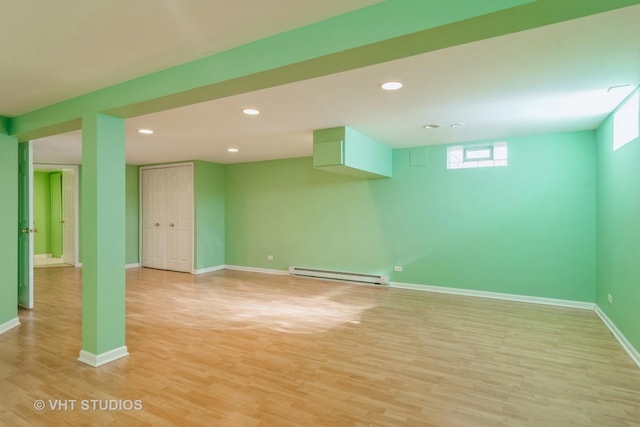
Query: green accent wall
[[132, 221], [525, 229], [618, 232], [8, 228], [41, 213], [55, 181], [209, 214]]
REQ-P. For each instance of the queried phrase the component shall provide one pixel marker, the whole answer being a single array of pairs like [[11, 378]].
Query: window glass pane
[[477, 153], [461, 157], [500, 151], [626, 122]]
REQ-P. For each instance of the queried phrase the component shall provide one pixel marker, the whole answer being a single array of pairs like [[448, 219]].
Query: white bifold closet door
[[167, 218]]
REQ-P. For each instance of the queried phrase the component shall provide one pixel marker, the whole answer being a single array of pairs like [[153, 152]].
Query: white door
[[185, 220], [68, 217], [153, 220], [167, 218], [172, 210], [179, 218]]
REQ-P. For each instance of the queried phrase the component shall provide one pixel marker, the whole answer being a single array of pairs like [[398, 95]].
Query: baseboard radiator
[[374, 279]]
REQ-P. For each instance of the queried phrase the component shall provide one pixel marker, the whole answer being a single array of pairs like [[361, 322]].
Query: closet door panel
[[153, 218], [185, 219], [159, 216], [173, 196]]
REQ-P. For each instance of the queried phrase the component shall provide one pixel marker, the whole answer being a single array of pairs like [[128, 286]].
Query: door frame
[[52, 167]]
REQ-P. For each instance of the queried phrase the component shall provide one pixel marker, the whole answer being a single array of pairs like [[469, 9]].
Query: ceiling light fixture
[[457, 125], [232, 150], [145, 131], [432, 126], [251, 111], [391, 85]]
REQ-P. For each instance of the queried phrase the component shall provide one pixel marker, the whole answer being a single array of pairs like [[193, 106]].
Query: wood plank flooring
[[244, 349]]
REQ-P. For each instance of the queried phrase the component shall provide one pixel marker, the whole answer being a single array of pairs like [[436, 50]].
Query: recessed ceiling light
[[145, 131], [391, 85], [251, 111], [432, 126], [457, 125], [232, 150]]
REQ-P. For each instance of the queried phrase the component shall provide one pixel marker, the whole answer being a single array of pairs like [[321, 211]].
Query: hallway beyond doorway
[[45, 262]]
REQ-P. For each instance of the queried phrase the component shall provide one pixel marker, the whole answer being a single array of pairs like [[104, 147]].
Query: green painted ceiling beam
[[386, 31], [4, 125]]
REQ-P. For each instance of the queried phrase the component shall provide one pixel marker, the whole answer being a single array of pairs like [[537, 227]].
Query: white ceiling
[[549, 79], [55, 50]]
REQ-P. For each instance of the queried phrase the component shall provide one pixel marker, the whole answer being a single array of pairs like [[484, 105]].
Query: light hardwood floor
[[244, 349]]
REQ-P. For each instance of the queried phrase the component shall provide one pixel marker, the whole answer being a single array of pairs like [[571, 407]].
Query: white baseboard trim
[[7, 326], [97, 360], [134, 265], [624, 342], [494, 295], [257, 270], [209, 269], [42, 256]]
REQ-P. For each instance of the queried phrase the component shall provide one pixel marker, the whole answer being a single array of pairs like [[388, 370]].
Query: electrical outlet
[[398, 268], [610, 298], [269, 257]]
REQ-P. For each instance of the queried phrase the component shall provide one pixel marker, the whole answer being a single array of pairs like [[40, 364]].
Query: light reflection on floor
[[221, 302], [295, 314]]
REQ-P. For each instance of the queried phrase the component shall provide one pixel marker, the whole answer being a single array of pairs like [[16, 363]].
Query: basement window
[[477, 156], [626, 126]]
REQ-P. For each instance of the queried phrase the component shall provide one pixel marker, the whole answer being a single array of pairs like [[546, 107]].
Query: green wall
[[618, 232], [55, 181], [209, 214], [132, 220], [524, 229], [8, 228], [41, 213]]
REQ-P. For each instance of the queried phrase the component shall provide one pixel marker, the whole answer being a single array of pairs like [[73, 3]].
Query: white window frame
[[462, 156]]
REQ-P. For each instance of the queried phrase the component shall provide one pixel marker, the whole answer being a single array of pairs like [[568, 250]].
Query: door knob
[[157, 224], [171, 225], [28, 230]]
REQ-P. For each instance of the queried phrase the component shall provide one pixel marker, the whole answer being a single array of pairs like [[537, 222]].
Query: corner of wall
[[8, 224], [618, 235]]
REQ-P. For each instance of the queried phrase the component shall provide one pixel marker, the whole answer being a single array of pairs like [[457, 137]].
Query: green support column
[[103, 240], [8, 230]]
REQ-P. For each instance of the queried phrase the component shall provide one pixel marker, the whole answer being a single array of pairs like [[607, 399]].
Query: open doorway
[[55, 214]]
